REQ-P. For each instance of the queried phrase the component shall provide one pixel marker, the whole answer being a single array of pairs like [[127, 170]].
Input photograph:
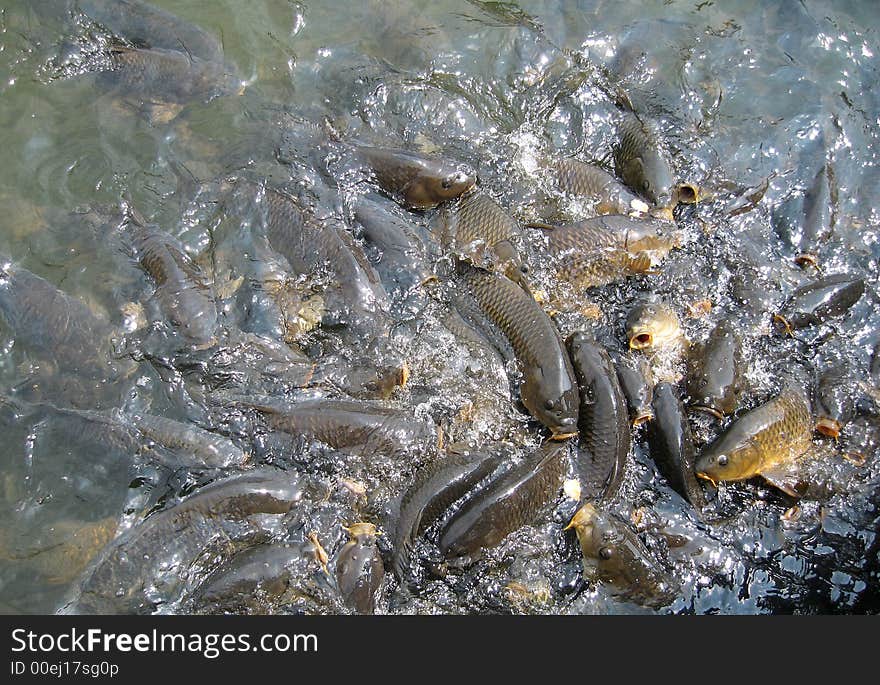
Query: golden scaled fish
[[653, 325], [771, 435]]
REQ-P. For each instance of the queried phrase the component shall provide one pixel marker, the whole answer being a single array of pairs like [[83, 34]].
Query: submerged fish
[[776, 432], [506, 504], [359, 569], [818, 219], [182, 289], [613, 554], [154, 561], [548, 389], [417, 181], [604, 427], [170, 76], [361, 428], [57, 327], [716, 379]]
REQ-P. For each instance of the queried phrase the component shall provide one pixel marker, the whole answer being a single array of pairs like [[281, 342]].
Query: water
[[743, 92]]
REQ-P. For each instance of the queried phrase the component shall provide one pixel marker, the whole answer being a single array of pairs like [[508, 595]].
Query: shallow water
[[743, 92]]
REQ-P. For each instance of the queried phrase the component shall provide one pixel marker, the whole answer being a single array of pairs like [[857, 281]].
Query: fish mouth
[[687, 194], [805, 259], [829, 427], [706, 409], [563, 436], [664, 213], [642, 417], [641, 341]]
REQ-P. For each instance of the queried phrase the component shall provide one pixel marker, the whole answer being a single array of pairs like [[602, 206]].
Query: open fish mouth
[[706, 409], [641, 341]]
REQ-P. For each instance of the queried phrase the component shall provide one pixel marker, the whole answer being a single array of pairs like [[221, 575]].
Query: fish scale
[[433, 491], [773, 433], [548, 389]]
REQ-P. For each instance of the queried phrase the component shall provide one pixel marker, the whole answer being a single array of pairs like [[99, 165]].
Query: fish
[[360, 428], [434, 489], [320, 247], [196, 446], [478, 229], [652, 326], [604, 249], [155, 560], [359, 568], [817, 302], [167, 76], [637, 384], [144, 24], [505, 504], [834, 400], [776, 432], [548, 388], [403, 264], [182, 290], [716, 379], [64, 550], [263, 579], [604, 424], [589, 180], [614, 555], [640, 162], [58, 327], [818, 218], [672, 444], [417, 181]]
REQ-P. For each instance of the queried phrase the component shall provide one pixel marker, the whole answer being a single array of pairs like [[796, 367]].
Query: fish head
[[652, 325], [558, 411], [452, 183], [739, 462]]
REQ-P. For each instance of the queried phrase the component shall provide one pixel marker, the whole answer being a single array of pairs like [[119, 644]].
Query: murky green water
[[744, 92]]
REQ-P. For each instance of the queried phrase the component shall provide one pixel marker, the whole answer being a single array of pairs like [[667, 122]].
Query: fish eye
[[447, 182], [646, 184], [549, 404], [723, 460], [524, 268], [606, 553]]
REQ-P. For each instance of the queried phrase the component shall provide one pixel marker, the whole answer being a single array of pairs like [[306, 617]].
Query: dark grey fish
[[817, 302], [835, 399], [604, 426], [716, 378], [818, 218], [506, 504], [155, 561], [359, 568], [182, 290], [435, 488], [264, 580], [637, 384], [640, 161], [548, 389], [672, 445], [613, 554]]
